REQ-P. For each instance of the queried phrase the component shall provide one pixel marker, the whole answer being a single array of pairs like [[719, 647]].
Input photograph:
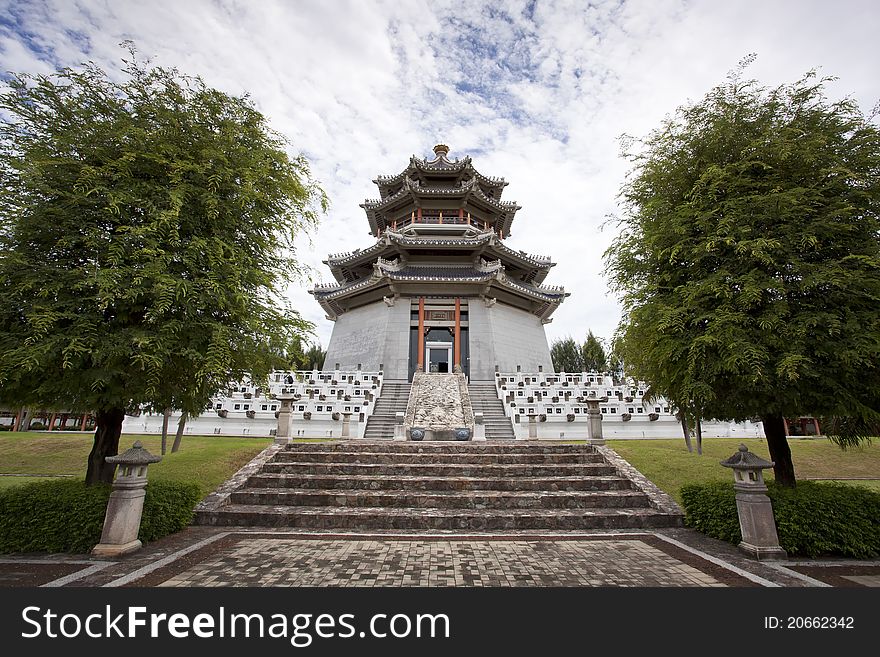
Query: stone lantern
[[756, 522], [125, 507]]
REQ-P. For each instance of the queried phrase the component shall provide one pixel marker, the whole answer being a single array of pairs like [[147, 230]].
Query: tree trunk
[[780, 452], [686, 431], [698, 425], [109, 428], [165, 415], [179, 435]]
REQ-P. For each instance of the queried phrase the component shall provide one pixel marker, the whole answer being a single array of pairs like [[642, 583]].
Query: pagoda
[[439, 288]]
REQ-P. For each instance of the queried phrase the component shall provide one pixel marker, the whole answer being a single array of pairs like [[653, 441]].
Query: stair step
[[440, 499], [413, 482], [443, 470], [470, 447], [437, 458], [319, 517]]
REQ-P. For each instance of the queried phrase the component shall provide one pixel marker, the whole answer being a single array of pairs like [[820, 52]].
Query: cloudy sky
[[536, 92]]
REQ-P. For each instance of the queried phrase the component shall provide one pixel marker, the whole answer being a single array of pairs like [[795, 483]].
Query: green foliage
[[812, 520], [68, 516], [708, 508], [594, 354], [147, 233], [748, 260], [567, 355], [301, 355], [570, 356], [168, 508]]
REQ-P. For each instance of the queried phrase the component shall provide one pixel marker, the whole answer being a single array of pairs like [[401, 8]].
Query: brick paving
[[201, 557], [335, 562]]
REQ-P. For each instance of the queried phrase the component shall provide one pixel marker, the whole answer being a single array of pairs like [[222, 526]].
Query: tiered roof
[[440, 183], [440, 226]]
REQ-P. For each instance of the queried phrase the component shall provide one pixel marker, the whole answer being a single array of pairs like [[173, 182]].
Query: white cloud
[[535, 92]]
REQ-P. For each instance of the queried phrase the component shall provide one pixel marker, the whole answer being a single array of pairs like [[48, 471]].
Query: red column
[[461, 215], [82, 426], [419, 215], [421, 352], [52, 423], [457, 356], [17, 423], [818, 430]]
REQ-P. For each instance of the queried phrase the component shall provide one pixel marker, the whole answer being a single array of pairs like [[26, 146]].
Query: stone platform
[[497, 486]]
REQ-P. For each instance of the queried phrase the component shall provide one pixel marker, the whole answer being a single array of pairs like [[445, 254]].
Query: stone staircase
[[380, 425], [361, 486], [485, 400]]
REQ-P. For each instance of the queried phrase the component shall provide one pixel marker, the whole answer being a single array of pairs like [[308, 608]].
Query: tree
[[567, 355], [748, 259], [146, 232], [303, 355], [594, 354]]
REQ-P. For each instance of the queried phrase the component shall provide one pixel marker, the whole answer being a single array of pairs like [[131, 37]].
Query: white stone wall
[[210, 424], [372, 335], [556, 428], [480, 343], [543, 388], [505, 336]]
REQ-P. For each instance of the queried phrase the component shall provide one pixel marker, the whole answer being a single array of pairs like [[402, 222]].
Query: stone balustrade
[[559, 403]]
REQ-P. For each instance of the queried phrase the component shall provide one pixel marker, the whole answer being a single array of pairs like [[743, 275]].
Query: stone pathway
[[299, 562], [202, 556]]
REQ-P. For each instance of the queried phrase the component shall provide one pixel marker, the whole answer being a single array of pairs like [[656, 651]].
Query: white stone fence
[[560, 402], [322, 399]]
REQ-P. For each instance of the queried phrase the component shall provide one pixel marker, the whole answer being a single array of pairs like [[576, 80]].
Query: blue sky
[[537, 92]]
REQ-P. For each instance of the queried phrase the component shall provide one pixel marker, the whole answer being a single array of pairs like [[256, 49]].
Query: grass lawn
[[669, 465], [8, 482], [205, 460]]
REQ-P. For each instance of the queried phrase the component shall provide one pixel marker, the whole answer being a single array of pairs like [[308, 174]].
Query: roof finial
[[441, 150]]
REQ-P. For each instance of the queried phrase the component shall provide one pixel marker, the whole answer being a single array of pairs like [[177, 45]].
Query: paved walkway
[[203, 556]]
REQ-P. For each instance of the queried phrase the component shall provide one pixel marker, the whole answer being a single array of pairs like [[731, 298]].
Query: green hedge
[[67, 515], [812, 520]]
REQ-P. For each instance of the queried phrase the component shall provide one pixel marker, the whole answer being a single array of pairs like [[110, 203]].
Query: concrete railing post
[[282, 435], [399, 432], [756, 521], [346, 425], [594, 423], [533, 426], [122, 521], [479, 427]]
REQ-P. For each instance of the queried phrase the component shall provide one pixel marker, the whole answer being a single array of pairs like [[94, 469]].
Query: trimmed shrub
[[68, 516], [814, 519], [711, 510], [168, 508]]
